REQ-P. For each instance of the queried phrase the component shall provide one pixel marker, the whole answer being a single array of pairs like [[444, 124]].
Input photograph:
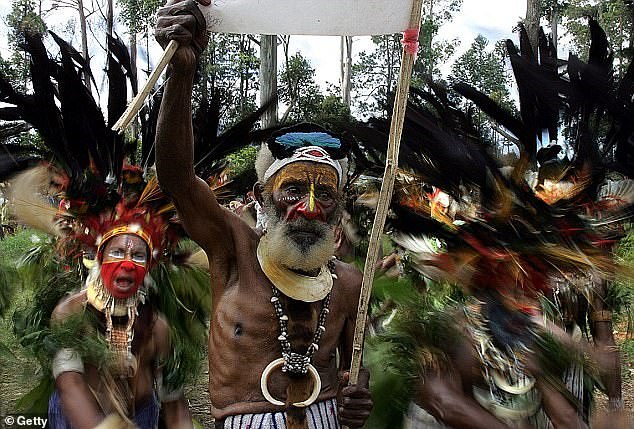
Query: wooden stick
[[385, 196], [137, 103]]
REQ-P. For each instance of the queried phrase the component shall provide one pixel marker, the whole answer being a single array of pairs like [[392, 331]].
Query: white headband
[[304, 154]]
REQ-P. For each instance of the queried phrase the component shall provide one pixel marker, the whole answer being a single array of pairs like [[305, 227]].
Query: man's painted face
[[307, 190], [124, 265], [302, 204]]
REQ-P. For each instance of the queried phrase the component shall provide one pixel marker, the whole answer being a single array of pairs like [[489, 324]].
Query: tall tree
[[228, 76], [484, 69], [432, 51], [25, 15], [298, 89], [346, 69], [614, 16], [268, 77], [83, 13], [139, 17], [376, 72], [531, 22]]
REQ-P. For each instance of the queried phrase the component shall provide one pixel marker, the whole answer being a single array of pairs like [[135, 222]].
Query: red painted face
[[305, 189], [124, 265]]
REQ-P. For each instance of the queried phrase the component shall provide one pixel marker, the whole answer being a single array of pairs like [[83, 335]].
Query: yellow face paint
[[311, 198], [310, 174]]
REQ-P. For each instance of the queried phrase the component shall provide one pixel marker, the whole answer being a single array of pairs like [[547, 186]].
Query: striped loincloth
[[320, 415]]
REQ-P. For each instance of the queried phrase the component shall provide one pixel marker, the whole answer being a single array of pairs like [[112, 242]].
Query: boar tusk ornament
[[276, 364]]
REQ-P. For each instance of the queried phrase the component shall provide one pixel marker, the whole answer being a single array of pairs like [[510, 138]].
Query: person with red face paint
[[284, 309], [131, 391]]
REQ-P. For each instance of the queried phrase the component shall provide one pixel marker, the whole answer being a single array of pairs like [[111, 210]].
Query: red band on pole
[[410, 40]]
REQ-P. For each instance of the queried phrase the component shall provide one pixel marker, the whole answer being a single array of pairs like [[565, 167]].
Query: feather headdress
[[505, 234]]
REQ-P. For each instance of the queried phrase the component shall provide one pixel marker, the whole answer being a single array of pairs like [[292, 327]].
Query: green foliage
[[332, 111], [24, 16], [433, 52], [374, 76], [14, 246], [376, 72], [242, 161], [77, 332], [614, 16], [228, 72], [483, 69], [11, 248], [620, 298], [241, 167], [44, 274], [416, 340], [298, 89], [36, 400], [139, 15], [183, 297], [50, 280]]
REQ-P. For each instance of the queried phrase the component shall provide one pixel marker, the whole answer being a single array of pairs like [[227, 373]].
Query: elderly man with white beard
[[284, 309]]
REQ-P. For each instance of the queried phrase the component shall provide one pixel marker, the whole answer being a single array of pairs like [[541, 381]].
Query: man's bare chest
[[244, 317]]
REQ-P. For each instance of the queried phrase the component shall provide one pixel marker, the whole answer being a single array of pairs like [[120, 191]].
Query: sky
[[494, 19]]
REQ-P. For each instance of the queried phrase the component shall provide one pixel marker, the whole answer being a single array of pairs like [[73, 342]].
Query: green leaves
[[139, 15]]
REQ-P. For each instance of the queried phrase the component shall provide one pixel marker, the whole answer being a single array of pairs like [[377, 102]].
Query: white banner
[[308, 17]]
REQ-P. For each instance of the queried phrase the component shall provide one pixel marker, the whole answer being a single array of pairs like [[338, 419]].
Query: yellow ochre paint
[[311, 198]]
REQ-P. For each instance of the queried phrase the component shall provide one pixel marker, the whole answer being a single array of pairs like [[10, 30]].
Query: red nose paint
[[111, 270], [302, 209]]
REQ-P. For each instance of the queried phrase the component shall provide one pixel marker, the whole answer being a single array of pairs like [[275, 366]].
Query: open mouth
[[124, 283]]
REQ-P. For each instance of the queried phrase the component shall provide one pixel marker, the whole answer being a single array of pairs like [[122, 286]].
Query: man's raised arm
[[201, 214]]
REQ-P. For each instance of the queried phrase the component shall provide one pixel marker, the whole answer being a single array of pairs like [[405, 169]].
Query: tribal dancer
[[494, 362], [119, 350], [87, 396], [581, 299], [284, 309]]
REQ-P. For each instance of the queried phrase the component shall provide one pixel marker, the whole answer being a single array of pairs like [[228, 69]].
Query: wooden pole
[[137, 103], [389, 176]]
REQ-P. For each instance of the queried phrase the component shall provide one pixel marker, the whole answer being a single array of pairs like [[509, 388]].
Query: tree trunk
[[533, 13], [268, 78], [133, 62], [342, 61], [84, 41], [110, 18], [554, 22], [631, 40], [134, 80], [430, 46], [346, 85]]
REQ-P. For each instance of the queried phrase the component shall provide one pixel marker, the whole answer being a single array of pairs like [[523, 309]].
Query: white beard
[[288, 252]]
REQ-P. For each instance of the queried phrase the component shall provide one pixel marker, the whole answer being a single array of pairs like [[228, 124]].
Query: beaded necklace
[[295, 363]]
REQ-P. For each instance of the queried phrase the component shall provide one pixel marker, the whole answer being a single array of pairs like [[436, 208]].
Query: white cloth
[[320, 415], [309, 17]]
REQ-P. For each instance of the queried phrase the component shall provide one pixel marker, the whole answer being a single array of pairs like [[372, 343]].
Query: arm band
[[66, 360]]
